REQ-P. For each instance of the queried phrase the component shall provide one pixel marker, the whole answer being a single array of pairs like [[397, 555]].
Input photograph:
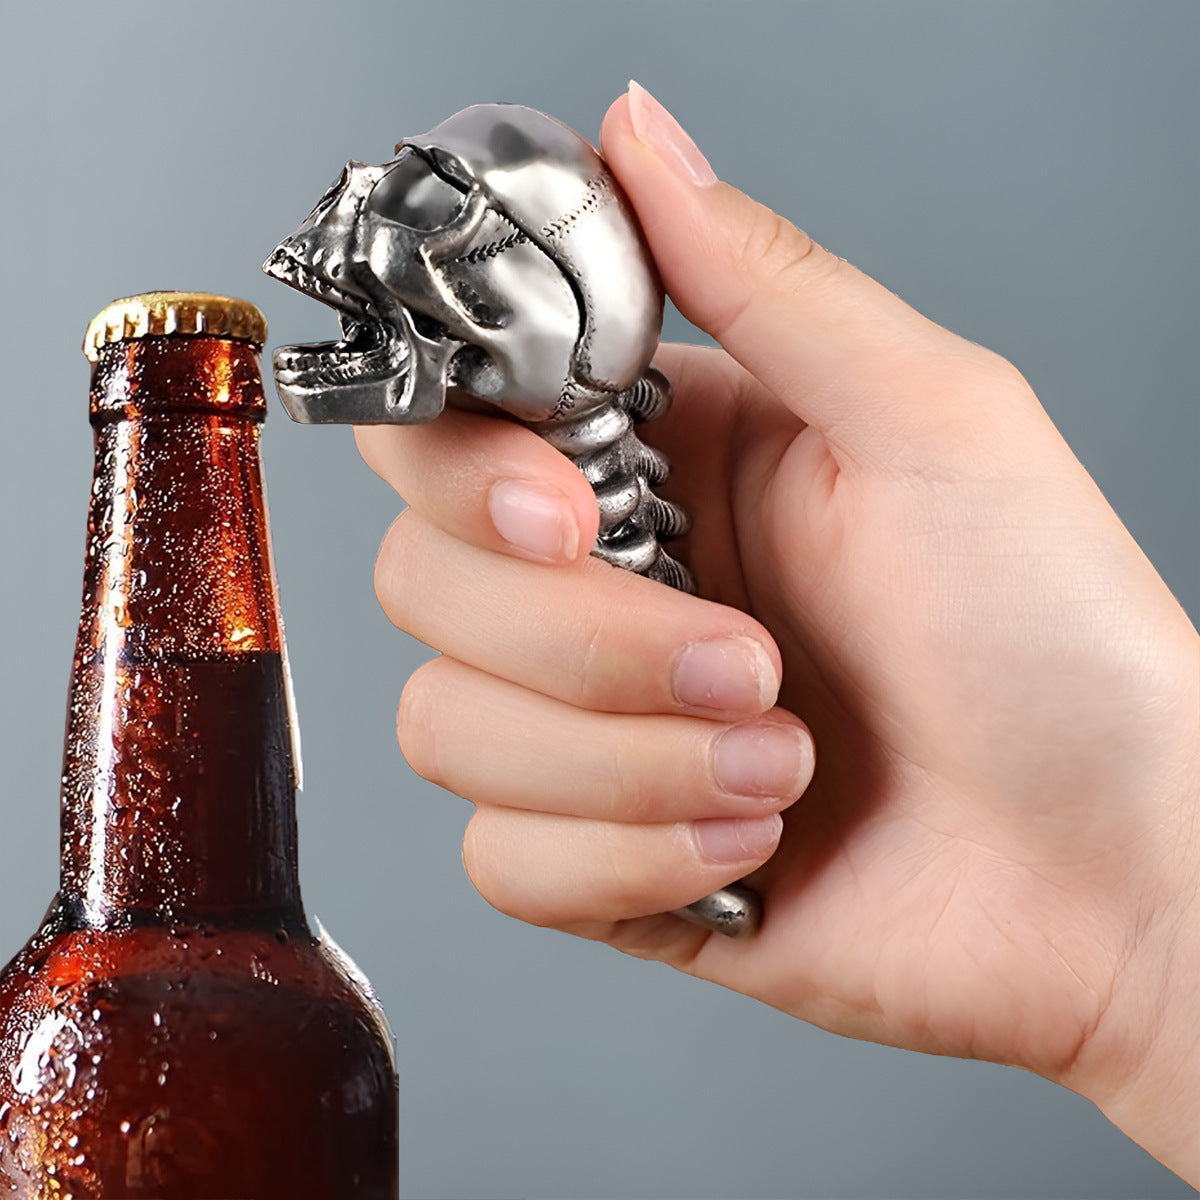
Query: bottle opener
[[494, 263]]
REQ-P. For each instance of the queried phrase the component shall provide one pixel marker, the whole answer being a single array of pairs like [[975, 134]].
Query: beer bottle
[[175, 1028]]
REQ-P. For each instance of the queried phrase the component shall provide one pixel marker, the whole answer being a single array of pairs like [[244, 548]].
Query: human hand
[[998, 854]]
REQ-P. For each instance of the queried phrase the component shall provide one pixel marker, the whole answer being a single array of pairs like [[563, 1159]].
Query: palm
[[950, 826]]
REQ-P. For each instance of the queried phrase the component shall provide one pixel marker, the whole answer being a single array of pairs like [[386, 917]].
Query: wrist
[[1141, 1064]]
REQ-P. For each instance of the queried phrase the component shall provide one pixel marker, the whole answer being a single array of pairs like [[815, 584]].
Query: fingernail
[[763, 760], [726, 840], [725, 674], [536, 521], [656, 128]]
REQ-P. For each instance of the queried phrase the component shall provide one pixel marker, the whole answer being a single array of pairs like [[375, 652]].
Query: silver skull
[[492, 259]]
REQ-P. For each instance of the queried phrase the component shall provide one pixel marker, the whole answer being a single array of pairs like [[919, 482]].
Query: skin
[[997, 855]]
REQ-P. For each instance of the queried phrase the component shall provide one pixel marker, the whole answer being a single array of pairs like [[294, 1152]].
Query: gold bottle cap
[[160, 314]]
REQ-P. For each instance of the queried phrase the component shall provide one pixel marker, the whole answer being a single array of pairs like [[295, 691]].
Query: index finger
[[487, 481]]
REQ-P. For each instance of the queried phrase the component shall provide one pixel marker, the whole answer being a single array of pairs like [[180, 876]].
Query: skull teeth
[[298, 358], [366, 347], [369, 352]]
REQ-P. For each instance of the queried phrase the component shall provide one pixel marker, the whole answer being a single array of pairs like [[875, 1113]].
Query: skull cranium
[[492, 259]]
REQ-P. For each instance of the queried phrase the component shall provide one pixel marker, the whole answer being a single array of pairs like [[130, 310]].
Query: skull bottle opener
[[494, 263]]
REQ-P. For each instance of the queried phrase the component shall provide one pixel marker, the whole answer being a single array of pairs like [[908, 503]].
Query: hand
[[998, 855]]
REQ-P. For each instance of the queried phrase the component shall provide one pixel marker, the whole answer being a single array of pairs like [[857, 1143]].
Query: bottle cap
[[163, 314]]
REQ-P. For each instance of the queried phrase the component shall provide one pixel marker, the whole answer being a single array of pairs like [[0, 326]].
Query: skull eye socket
[[411, 194]]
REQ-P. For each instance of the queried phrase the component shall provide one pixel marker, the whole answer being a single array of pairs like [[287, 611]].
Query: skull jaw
[[359, 402], [413, 393]]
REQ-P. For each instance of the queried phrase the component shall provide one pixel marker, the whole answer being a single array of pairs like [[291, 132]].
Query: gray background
[[1024, 173]]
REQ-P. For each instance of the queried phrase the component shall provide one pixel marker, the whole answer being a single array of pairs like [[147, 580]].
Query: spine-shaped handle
[[603, 443]]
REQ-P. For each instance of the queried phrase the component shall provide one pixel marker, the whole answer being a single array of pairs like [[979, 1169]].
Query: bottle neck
[[178, 776]]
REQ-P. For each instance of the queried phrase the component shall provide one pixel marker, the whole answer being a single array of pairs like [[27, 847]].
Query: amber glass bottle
[[175, 1029]]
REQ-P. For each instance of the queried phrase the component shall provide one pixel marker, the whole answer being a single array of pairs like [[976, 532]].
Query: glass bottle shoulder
[[158, 1053]]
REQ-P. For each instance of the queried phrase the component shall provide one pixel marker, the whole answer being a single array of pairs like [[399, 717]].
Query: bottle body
[[192, 1062], [176, 1029]]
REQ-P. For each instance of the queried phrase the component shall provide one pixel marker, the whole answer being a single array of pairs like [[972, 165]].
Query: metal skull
[[493, 259]]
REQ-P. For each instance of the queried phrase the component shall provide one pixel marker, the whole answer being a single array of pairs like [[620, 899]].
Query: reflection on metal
[[735, 910]]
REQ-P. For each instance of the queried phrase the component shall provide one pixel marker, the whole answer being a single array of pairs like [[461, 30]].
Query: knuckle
[[981, 392], [1004, 377], [592, 639], [962, 426], [392, 577], [472, 851], [631, 797], [630, 880], [490, 880], [965, 369], [991, 379], [772, 255], [392, 452], [775, 249], [417, 721], [370, 443], [592, 684], [613, 666], [475, 857]]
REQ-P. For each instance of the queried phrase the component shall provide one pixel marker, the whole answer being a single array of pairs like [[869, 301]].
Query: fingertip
[[656, 128], [616, 123], [535, 521], [488, 482], [734, 841], [371, 442], [387, 577], [638, 115], [582, 498], [542, 508], [764, 760], [726, 674]]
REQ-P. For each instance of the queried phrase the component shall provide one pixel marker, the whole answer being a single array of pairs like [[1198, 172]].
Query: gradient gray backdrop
[[1025, 173]]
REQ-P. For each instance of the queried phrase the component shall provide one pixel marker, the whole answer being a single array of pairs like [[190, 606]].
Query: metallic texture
[[161, 314], [622, 470], [494, 263], [735, 911]]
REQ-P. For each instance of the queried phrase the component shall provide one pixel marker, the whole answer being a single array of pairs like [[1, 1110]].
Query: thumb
[[844, 353]]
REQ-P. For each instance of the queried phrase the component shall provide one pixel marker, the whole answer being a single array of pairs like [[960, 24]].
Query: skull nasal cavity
[[411, 194]]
